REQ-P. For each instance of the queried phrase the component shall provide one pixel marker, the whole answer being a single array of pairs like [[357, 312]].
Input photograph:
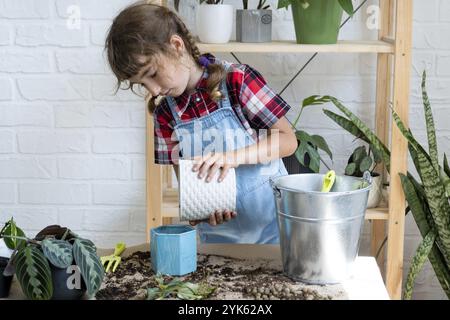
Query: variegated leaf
[[417, 204], [89, 263], [418, 261], [431, 130], [33, 273], [434, 189], [373, 139], [58, 252], [346, 124]]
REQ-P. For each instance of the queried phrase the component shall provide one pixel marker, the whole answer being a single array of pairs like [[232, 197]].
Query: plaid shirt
[[256, 105]]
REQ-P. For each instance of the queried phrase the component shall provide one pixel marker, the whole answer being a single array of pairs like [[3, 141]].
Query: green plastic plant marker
[[328, 181]]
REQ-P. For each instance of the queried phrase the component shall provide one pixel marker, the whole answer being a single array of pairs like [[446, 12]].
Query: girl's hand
[[207, 166], [216, 218]]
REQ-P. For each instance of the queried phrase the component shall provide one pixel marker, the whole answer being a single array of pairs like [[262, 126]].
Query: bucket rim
[[273, 182]]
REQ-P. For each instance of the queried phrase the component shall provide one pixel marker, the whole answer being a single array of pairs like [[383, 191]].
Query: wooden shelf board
[[171, 207], [344, 46]]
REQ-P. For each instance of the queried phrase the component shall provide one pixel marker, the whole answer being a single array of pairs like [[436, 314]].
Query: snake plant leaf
[[33, 273], [420, 211], [58, 252], [446, 167], [346, 124], [434, 189], [347, 5], [89, 263], [374, 141], [431, 130], [418, 261], [320, 143]]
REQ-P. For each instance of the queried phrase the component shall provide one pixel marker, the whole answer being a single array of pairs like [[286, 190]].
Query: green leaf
[[11, 230], [431, 131], [33, 273], [152, 293], [283, 4], [347, 5], [375, 143], [359, 154], [434, 189], [420, 210], [365, 165], [418, 261], [320, 143], [58, 252], [346, 124], [446, 167], [89, 263], [314, 156], [315, 100], [350, 169]]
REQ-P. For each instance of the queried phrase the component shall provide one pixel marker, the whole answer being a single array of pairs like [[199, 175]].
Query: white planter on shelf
[[214, 23], [375, 194]]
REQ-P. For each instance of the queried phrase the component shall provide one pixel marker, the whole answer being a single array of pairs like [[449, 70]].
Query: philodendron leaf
[[58, 252], [91, 268], [33, 273], [320, 143], [418, 261]]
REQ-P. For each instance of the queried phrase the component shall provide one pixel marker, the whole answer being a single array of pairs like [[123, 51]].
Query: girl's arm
[[279, 143]]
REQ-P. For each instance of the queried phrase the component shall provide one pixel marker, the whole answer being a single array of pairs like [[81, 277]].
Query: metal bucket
[[320, 232]]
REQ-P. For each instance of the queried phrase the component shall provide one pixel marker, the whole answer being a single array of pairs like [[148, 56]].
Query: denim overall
[[255, 204]]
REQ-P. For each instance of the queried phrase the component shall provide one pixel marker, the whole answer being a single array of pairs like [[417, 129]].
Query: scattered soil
[[232, 279]]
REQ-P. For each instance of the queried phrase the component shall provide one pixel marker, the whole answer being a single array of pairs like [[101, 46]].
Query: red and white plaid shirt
[[256, 105]]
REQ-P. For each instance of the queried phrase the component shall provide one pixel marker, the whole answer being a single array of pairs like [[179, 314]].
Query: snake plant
[[428, 200]]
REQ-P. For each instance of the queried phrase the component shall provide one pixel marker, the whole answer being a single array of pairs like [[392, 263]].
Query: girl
[[199, 95]]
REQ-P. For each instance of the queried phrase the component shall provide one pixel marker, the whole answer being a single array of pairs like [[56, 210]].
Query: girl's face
[[164, 76]]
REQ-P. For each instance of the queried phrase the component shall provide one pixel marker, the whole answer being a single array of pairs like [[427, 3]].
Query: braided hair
[[145, 29]]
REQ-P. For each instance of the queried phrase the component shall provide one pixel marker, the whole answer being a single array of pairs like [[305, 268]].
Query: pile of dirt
[[231, 278]]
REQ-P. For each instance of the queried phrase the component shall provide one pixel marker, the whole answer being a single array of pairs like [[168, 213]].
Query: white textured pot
[[214, 23], [375, 193]]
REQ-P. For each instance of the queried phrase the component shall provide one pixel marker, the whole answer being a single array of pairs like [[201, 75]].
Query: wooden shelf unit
[[393, 51]]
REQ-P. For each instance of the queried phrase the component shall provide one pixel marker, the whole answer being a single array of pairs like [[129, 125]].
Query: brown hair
[[145, 29]]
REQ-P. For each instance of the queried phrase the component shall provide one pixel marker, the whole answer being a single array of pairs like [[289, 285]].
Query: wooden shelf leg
[[154, 182], [382, 118], [399, 147]]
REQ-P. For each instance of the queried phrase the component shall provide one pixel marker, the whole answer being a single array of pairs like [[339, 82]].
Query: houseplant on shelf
[[317, 21], [214, 21], [428, 199], [254, 25], [361, 161], [306, 158], [55, 264]]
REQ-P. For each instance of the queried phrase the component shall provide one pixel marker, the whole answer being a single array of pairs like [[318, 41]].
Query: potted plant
[[428, 200], [214, 21], [56, 264], [361, 161], [317, 21], [254, 25], [306, 158]]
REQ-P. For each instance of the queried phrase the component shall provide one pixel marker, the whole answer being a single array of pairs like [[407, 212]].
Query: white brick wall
[[73, 153]]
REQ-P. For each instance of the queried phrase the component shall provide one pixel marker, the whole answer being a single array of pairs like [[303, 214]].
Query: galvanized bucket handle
[[275, 189], [367, 177]]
